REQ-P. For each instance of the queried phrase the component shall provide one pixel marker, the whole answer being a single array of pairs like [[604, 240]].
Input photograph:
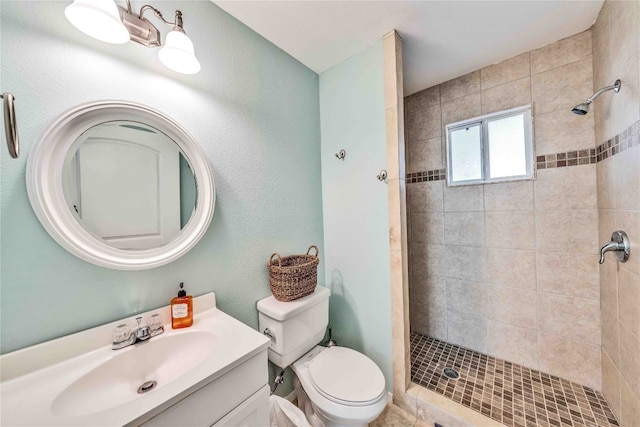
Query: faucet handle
[[121, 333], [619, 243]]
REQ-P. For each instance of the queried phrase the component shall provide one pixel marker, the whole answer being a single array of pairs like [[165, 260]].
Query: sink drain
[[451, 373], [146, 387]]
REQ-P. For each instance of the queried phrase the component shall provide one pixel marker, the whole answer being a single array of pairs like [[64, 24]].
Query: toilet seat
[[346, 376]]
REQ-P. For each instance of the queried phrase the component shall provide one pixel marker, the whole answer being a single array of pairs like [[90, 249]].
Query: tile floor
[[508, 393]]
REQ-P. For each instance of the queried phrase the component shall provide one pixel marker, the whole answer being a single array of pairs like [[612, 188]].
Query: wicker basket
[[294, 276]]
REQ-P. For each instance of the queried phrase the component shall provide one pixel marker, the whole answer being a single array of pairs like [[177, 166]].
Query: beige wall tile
[[513, 306], [627, 178], [566, 188], [459, 109], [559, 88], [611, 384], [417, 156], [428, 290], [506, 96], [464, 199], [610, 335], [607, 224], [510, 229], [512, 343], [623, 32], [629, 300], [514, 268], [630, 359], [560, 131], [625, 105], [467, 331], [574, 360], [629, 221], [465, 262], [606, 181], [434, 154], [460, 86], [576, 229], [425, 196], [575, 318], [600, 42], [464, 228], [568, 274], [423, 99], [506, 71], [561, 53], [609, 286], [429, 320], [508, 196], [630, 406], [423, 124], [427, 259], [467, 297], [427, 228]]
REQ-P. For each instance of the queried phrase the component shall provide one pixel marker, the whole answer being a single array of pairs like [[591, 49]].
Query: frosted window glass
[[466, 154], [507, 147]]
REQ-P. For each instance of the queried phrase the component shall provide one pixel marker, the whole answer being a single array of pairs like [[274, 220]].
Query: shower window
[[492, 148]]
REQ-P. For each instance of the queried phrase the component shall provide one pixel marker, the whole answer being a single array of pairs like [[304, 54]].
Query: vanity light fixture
[[106, 21]]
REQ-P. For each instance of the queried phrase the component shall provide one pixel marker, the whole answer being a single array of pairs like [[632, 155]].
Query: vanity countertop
[[50, 384]]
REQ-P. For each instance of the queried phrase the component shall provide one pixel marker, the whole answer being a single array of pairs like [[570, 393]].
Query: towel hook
[[10, 126]]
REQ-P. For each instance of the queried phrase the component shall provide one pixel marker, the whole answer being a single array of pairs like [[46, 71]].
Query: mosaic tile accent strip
[[508, 393], [619, 143], [569, 158], [432, 175]]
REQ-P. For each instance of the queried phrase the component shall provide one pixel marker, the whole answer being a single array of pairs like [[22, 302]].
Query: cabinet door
[[253, 412]]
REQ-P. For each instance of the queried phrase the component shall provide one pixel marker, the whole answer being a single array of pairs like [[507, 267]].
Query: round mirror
[[120, 185]]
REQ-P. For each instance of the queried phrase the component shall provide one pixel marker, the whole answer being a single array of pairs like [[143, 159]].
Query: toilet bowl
[[336, 386], [343, 386]]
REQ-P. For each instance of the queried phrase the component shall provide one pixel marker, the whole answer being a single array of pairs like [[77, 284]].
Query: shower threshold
[[511, 394]]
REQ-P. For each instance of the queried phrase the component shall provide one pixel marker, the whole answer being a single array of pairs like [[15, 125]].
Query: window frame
[[484, 121]]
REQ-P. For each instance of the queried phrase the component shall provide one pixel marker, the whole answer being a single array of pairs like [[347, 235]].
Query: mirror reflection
[[129, 185]]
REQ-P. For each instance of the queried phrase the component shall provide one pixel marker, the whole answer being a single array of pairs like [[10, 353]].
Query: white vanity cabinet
[[239, 398]]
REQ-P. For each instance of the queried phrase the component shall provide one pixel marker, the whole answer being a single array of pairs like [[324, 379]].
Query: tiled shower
[[511, 269]]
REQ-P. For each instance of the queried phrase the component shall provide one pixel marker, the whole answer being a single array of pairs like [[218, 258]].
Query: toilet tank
[[295, 326]]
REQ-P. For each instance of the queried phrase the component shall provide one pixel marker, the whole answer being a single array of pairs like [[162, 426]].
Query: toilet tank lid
[[280, 310]]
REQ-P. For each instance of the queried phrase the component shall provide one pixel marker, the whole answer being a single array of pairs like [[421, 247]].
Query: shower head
[[582, 109]]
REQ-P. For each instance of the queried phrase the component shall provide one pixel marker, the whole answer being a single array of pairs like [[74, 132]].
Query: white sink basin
[[78, 380], [161, 359]]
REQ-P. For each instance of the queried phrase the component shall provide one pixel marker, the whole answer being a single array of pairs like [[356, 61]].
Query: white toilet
[[336, 386]]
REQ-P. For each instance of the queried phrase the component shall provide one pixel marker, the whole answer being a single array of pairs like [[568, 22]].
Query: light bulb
[[99, 19], [178, 54]]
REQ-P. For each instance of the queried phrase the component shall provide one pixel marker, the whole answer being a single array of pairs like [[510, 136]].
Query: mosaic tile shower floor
[[508, 393]]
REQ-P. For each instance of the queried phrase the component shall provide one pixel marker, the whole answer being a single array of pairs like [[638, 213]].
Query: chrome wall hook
[[10, 126], [382, 175], [341, 154]]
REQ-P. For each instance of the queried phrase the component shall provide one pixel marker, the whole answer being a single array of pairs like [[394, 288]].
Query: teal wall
[[356, 220], [253, 109]]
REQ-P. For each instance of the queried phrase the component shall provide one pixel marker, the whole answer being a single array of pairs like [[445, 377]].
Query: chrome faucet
[[124, 337], [619, 243]]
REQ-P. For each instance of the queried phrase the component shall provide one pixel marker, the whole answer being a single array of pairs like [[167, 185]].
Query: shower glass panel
[[466, 153]]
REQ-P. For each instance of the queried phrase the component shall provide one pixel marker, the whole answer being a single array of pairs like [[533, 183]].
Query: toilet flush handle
[[268, 333]]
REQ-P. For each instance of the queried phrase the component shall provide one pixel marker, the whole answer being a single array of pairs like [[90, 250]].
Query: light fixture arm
[[176, 24]]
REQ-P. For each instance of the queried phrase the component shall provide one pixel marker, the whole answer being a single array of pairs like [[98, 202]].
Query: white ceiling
[[441, 39]]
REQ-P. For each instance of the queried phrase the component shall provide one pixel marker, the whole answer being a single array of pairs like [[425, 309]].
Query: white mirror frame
[[44, 185]]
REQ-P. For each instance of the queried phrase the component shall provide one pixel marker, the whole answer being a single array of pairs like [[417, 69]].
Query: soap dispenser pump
[[182, 309]]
